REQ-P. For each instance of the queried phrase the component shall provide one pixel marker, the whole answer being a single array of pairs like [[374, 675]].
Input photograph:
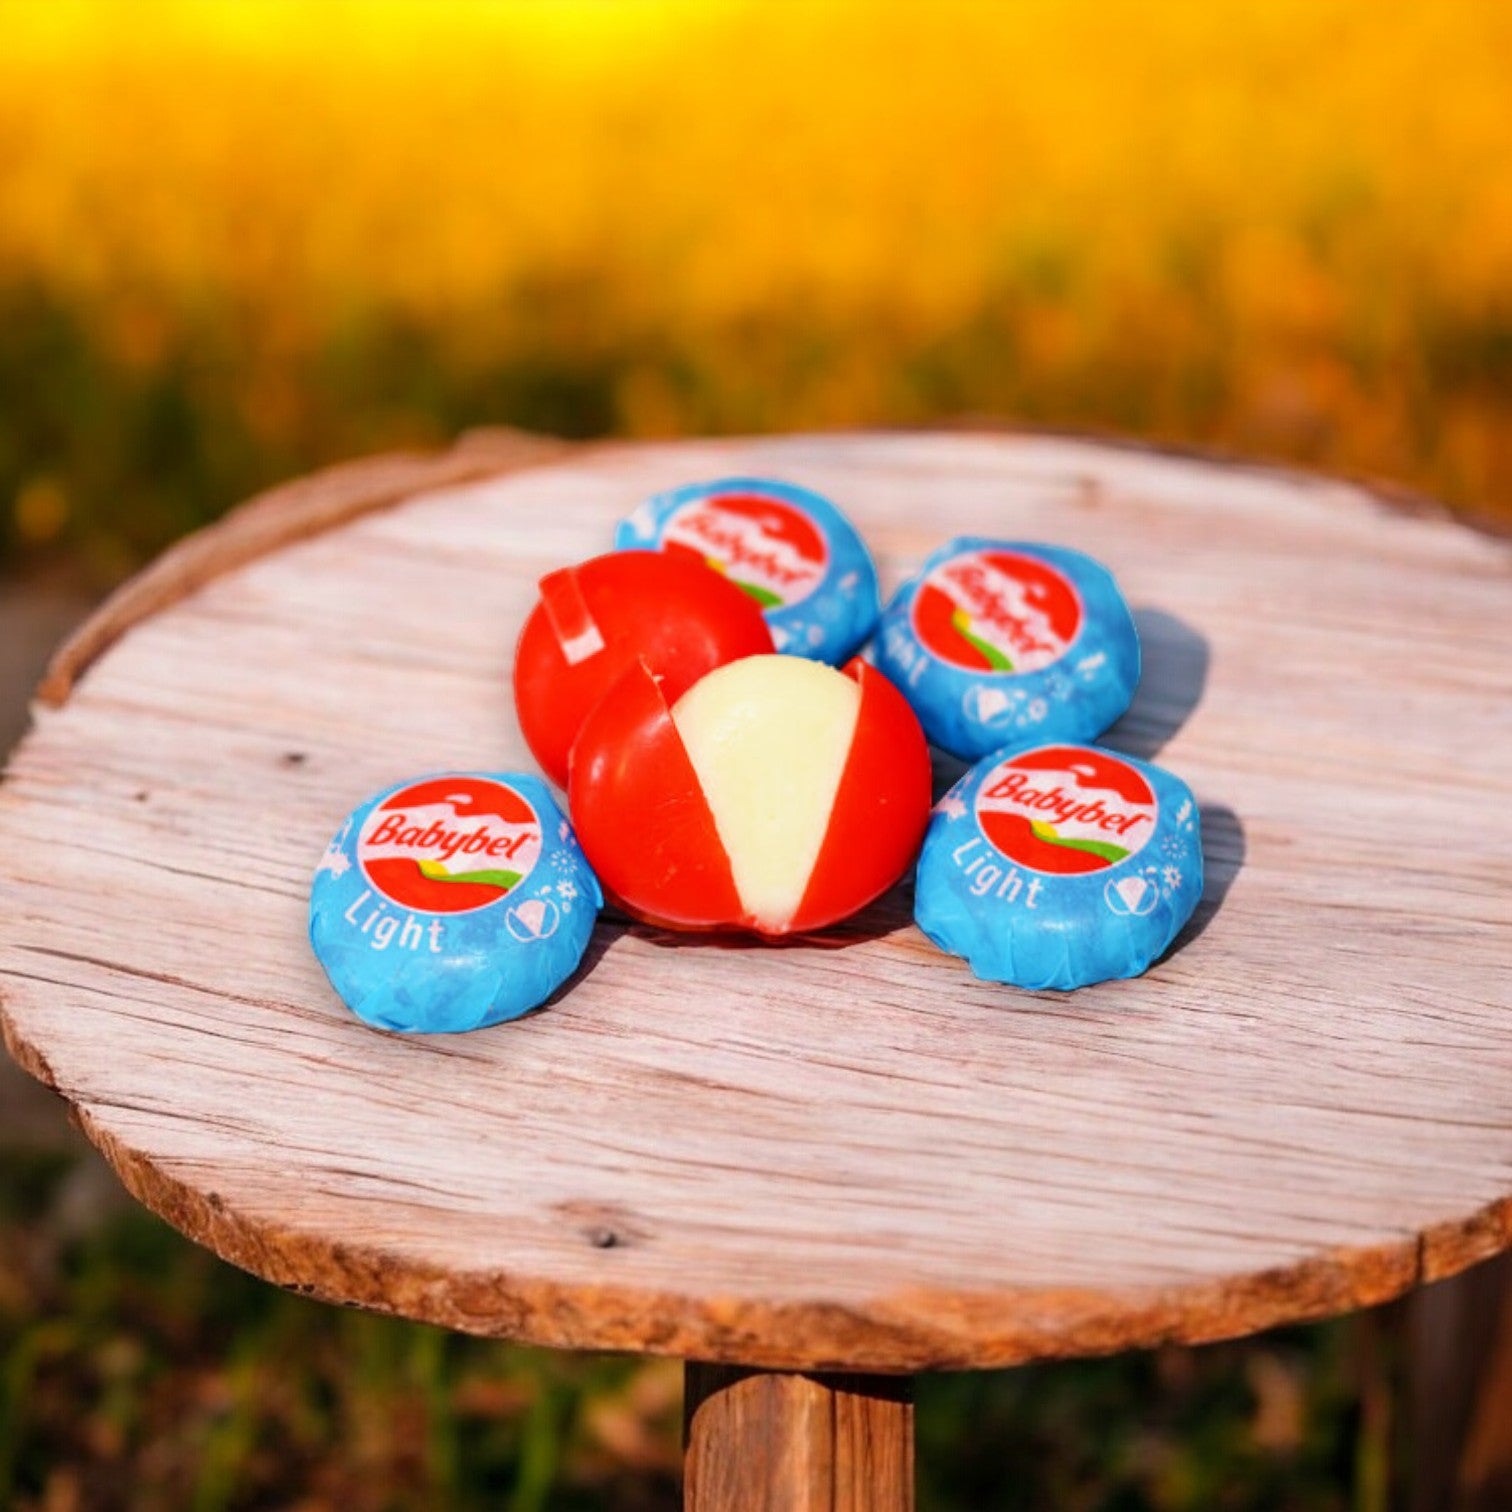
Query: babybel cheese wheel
[[1060, 866], [788, 548], [1004, 643], [451, 902], [600, 617], [776, 795]]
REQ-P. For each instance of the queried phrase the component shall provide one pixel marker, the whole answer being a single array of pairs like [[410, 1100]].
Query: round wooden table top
[[846, 1153]]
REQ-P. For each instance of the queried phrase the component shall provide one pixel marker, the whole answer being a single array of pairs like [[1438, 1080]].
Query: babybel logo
[[769, 548], [997, 611], [449, 844], [1066, 809]]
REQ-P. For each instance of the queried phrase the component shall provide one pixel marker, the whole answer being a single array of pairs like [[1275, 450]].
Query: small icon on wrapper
[[1131, 895], [535, 919]]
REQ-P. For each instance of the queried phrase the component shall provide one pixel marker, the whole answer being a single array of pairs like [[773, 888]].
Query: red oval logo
[[1066, 810], [767, 547], [997, 611], [449, 844]]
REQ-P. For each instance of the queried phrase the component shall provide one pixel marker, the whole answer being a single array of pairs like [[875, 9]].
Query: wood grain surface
[[844, 1154], [766, 1442], [273, 520]]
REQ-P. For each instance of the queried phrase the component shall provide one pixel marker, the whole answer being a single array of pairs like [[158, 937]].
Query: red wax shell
[[641, 816], [597, 619], [647, 829], [881, 807]]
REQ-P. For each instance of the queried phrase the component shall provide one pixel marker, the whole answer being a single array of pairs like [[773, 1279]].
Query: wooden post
[[1460, 1392], [761, 1441]]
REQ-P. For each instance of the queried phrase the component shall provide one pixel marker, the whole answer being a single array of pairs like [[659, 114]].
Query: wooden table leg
[[763, 1441], [1460, 1391]]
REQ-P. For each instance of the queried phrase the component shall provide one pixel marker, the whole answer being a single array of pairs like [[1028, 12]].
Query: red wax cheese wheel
[[634, 787], [776, 795], [596, 620]]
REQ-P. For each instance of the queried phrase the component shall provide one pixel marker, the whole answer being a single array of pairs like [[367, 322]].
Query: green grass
[[139, 1372], [137, 458], [104, 463]]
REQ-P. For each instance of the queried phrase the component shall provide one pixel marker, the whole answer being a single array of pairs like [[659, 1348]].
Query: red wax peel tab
[[598, 619], [775, 795]]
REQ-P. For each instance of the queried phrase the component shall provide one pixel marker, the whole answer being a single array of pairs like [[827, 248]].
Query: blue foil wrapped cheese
[[788, 547], [451, 902], [1003, 643], [1060, 866]]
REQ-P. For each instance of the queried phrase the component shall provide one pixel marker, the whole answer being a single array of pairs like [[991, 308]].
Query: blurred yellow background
[[239, 239]]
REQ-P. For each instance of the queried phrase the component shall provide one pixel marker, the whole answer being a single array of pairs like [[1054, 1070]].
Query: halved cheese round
[[768, 737], [775, 795]]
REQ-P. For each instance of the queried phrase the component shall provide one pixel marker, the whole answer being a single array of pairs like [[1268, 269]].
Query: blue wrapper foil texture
[[1060, 866], [1004, 643], [788, 547], [451, 902]]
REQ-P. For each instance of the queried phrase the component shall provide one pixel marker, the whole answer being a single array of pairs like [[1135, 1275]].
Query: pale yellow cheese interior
[[768, 737]]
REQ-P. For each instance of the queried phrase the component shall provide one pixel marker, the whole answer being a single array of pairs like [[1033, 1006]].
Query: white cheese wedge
[[768, 737]]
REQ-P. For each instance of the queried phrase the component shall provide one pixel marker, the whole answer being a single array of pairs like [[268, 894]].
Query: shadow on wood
[[1223, 852], [1172, 680]]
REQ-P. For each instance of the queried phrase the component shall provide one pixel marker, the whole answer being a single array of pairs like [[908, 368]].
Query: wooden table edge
[[902, 1333]]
